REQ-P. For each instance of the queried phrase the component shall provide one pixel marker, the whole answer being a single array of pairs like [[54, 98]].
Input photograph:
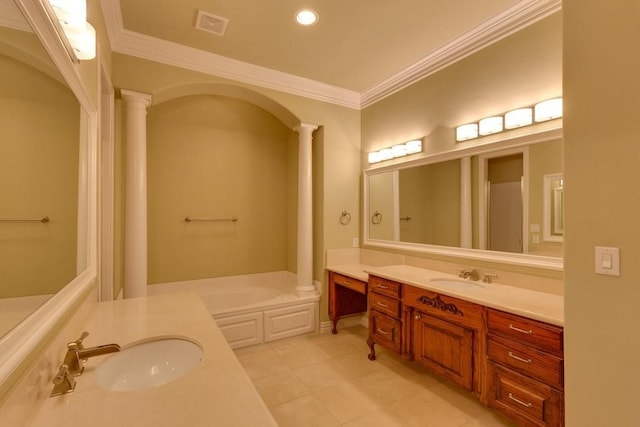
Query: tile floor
[[326, 380]]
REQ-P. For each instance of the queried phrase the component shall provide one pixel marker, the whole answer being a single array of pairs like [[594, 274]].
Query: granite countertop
[[532, 304], [217, 392]]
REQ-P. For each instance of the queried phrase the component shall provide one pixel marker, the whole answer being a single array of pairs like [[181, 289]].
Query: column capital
[[133, 96], [310, 127]]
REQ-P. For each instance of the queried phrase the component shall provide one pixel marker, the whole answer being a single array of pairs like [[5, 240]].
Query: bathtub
[[253, 308]]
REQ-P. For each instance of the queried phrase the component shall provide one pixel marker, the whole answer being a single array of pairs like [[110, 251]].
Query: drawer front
[[384, 304], [528, 361], [451, 309], [540, 335], [349, 282], [523, 399], [385, 331], [384, 286]]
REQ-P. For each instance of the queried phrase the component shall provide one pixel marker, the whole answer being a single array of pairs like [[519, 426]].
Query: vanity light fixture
[[525, 116], [398, 150], [547, 110], [306, 17], [466, 132], [518, 118], [490, 125], [72, 17]]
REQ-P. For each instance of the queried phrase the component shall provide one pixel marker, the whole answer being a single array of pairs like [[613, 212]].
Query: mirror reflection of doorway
[[504, 203]]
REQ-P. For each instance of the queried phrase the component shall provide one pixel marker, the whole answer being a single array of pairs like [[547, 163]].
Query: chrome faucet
[[469, 274], [77, 354]]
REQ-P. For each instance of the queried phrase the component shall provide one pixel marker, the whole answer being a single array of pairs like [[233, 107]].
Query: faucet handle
[[63, 382], [77, 344], [488, 276]]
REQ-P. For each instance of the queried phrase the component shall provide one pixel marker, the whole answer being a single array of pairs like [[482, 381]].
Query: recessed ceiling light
[[306, 17]]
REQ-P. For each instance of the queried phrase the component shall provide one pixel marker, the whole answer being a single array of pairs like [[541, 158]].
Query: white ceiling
[[359, 52]]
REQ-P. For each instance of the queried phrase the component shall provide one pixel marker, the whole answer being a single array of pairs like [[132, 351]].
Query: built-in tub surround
[[253, 308], [216, 392]]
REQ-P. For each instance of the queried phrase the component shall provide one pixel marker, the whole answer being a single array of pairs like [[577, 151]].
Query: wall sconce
[[490, 125], [547, 110], [398, 150], [542, 111], [518, 118], [72, 17]]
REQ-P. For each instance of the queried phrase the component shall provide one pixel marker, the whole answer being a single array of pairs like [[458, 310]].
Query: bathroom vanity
[[502, 343]]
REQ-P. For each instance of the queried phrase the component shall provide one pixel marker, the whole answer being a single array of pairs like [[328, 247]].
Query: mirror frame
[[24, 339], [544, 132]]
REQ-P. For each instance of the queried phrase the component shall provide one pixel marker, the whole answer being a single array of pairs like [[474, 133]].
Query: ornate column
[[135, 218], [304, 284], [466, 238]]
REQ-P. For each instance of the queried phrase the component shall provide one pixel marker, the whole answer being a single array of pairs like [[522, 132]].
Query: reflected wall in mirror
[[553, 207], [424, 201], [39, 174]]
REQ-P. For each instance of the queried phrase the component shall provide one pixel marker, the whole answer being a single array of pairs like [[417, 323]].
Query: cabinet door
[[445, 348]]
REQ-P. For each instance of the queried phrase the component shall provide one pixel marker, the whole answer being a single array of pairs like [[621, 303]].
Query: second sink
[[148, 364]]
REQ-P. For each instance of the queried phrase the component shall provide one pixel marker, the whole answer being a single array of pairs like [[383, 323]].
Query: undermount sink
[[148, 364], [456, 283]]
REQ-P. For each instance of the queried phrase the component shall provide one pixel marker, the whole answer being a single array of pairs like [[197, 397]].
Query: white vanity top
[[532, 304], [217, 392]]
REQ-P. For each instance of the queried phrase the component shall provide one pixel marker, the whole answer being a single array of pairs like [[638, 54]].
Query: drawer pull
[[513, 356], [382, 286], [381, 304], [346, 282], [529, 332], [515, 399], [382, 332]]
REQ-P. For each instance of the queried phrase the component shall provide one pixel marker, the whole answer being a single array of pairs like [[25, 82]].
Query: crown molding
[[512, 19]]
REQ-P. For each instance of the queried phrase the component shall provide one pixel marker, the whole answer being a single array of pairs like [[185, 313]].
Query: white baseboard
[[345, 322]]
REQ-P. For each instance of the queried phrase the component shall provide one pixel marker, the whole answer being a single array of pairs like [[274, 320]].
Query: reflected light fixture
[[517, 118], [466, 132], [306, 17], [547, 110], [398, 150], [72, 16], [490, 125]]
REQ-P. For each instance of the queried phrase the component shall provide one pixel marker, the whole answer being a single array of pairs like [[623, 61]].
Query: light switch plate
[[608, 261]]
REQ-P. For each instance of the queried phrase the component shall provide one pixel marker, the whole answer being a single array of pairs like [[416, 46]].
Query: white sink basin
[[460, 284], [148, 364]]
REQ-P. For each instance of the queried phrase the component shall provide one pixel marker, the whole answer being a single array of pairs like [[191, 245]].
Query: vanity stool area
[[501, 343]]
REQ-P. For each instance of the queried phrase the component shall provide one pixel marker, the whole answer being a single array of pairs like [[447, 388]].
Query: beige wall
[[39, 138], [601, 129], [519, 70], [217, 157]]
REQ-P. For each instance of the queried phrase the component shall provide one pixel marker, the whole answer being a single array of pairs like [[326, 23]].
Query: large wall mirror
[[499, 201], [47, 181]]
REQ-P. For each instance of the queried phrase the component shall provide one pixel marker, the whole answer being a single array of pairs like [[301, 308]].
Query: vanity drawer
[[384, 304], [385, 330], [384, 286], [452, 309], [526, 360], [524, 399], [349, 282], [538, 334]]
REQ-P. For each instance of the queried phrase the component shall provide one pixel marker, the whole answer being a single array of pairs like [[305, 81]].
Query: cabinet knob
[[417, 317]]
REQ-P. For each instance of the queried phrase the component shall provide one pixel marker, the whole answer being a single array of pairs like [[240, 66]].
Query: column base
[[305, 290]]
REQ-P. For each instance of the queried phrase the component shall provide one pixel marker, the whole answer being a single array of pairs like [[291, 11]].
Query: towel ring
[[376, 218], [345, 218]]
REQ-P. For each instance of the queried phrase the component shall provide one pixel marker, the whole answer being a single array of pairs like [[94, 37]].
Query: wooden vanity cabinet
[[446, 335], [385, 325], [346, 296], [526, 369]]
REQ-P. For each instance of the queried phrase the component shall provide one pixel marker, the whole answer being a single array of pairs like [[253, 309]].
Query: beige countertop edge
[[535, 305], [217, 392]]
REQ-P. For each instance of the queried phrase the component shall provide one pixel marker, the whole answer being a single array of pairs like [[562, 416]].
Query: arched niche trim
[[206, 88]]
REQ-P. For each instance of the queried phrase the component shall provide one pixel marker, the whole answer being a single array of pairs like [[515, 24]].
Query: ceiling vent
[[211, 23]]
